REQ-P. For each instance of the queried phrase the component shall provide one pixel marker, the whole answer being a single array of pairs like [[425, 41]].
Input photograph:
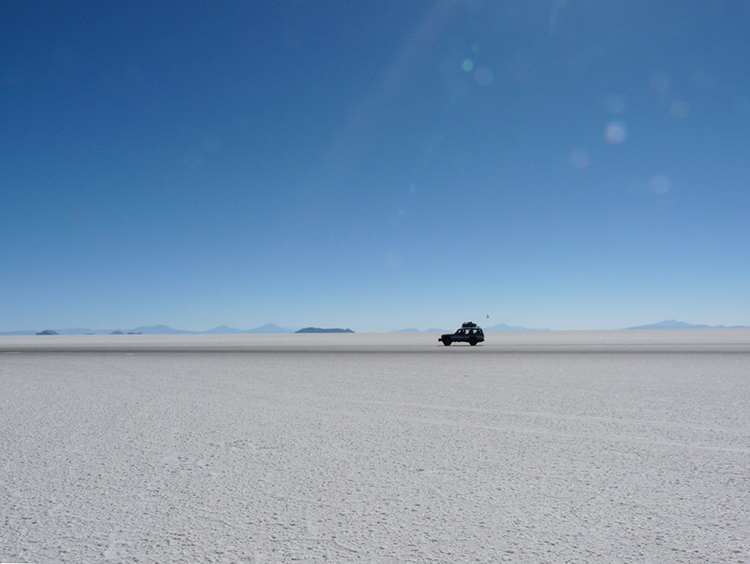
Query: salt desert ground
[[611, 446]]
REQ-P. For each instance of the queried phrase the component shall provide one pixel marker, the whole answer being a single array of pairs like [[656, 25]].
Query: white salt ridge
[[550, 447]]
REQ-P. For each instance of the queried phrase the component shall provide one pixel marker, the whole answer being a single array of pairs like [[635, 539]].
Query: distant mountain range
[[156, 330], [271, 328], [673, 324]]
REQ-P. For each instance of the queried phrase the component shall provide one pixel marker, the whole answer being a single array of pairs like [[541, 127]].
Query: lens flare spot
[[679, 110], [615, 104], [579, 159], [484, 77], [615, 133], [660, 184], [659, 82], [467, 65]]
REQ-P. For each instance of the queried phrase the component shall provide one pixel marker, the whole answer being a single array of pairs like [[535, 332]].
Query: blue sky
[[565, 164]]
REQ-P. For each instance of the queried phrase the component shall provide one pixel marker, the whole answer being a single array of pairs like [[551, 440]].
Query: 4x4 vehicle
[[468, 333]]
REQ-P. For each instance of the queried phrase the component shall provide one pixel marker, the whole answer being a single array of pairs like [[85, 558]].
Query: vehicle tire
[[447, 342], [473, 342]]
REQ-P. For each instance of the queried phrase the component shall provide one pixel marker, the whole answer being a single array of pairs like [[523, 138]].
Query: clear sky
[[568, 164]]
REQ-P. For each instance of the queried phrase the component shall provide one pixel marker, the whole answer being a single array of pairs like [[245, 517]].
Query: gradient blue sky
[[565, 164]]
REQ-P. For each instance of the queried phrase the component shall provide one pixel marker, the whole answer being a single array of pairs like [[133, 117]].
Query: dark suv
[[469, 333]]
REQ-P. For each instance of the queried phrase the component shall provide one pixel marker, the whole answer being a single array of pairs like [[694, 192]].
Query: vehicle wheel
[[447, 342], [472, 342]]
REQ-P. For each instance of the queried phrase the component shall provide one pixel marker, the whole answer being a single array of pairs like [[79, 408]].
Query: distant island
[[319, 330], [48, 332]]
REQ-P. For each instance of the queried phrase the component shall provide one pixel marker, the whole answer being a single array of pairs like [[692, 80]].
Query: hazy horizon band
[[653, 341]]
